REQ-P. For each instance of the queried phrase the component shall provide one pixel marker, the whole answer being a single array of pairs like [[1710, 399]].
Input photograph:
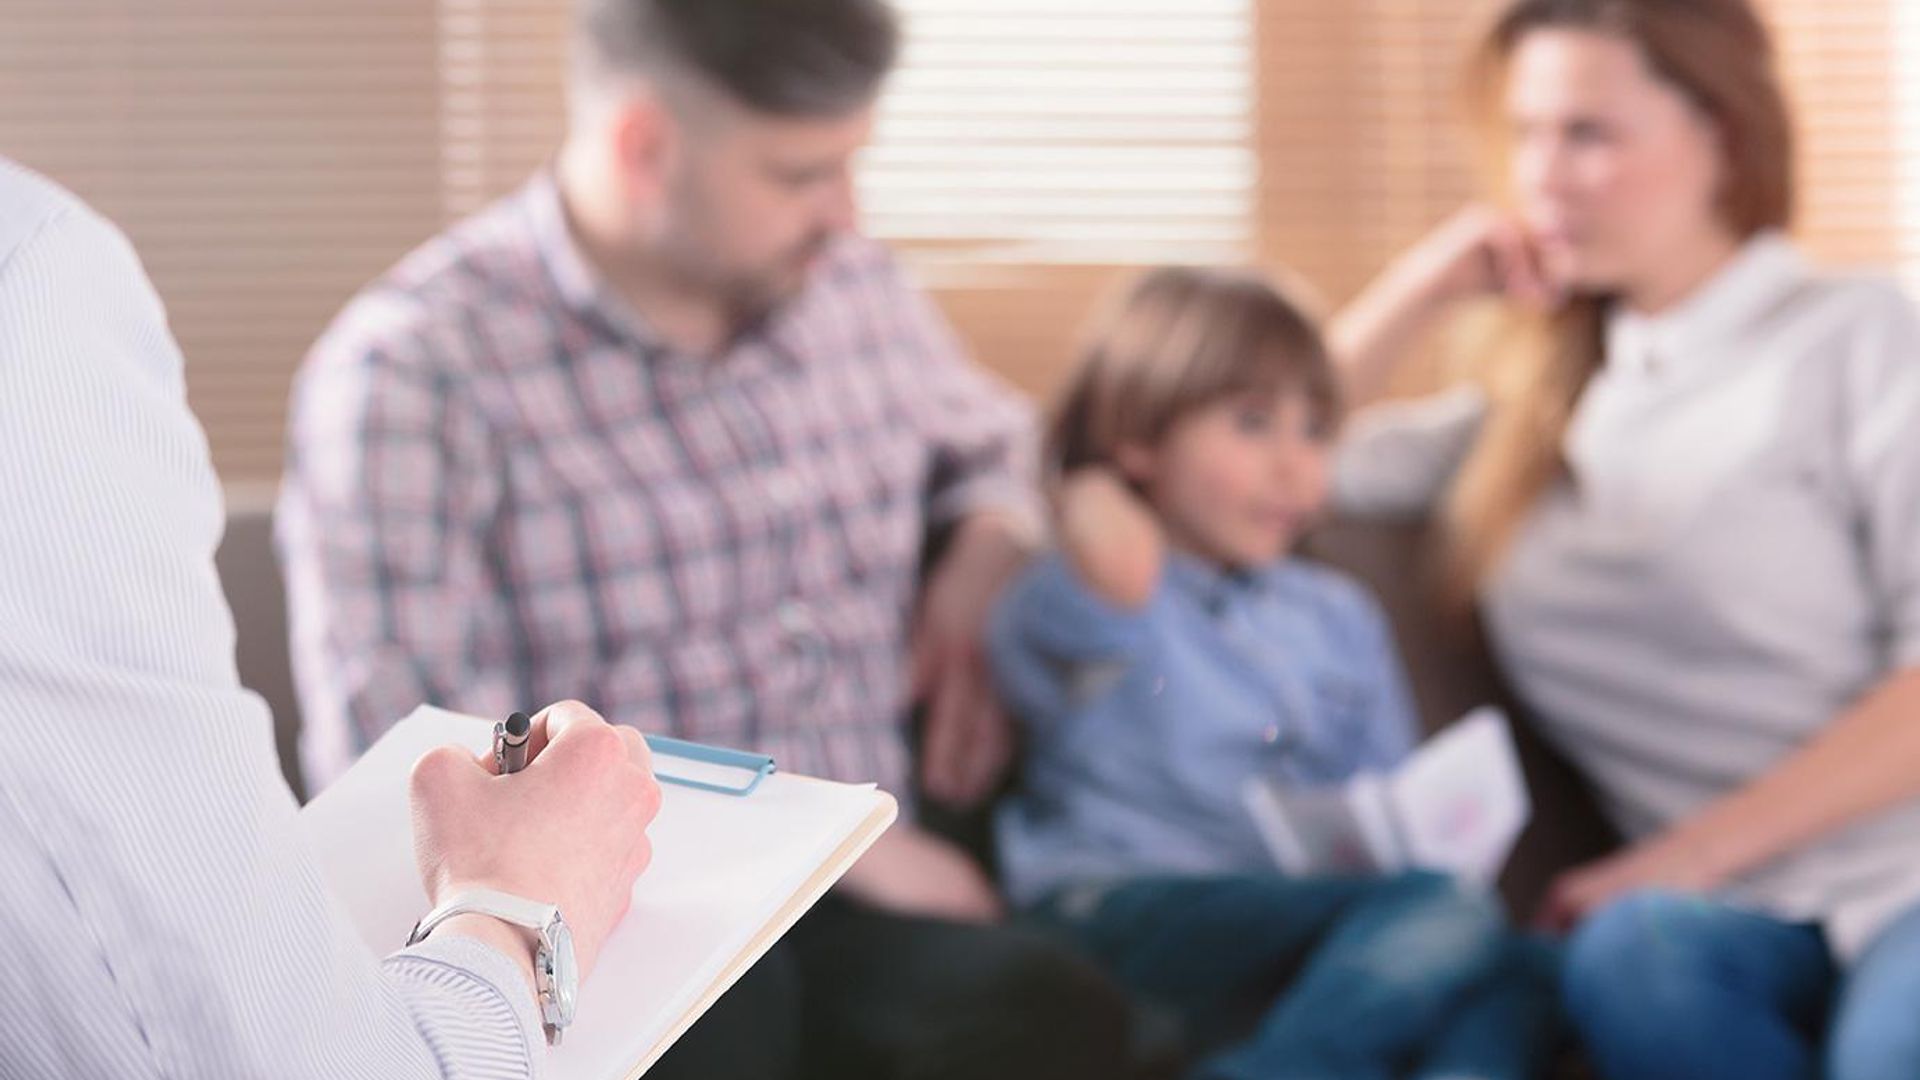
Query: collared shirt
[[1145, 725], [162, 916], [503, 488], [1734, 562]]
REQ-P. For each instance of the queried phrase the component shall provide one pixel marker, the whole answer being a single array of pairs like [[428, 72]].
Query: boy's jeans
[[1329, 978]]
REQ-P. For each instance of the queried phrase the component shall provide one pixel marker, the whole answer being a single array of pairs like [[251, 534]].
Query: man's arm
[[983, 494], [162, 916], [390, 491]]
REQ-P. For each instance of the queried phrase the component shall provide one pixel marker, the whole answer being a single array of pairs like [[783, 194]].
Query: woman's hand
[[1859, 766], [1478, 252], [1669, 861]]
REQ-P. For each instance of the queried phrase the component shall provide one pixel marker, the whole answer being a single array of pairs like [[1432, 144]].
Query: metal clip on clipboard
[[757, 767]]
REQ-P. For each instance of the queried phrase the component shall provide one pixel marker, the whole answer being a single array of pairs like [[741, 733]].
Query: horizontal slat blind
[[1906, 59], [503, 80], [1843, 75], [266, 159], [1032, 132], [270, 156]]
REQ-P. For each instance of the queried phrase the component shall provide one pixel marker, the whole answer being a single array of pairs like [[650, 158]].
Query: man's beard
[[752, 298]]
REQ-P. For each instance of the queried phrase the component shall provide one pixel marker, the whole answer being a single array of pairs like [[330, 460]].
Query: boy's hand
[[1110, 537]]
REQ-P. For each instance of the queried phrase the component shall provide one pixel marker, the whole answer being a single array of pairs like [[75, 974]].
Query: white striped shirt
[[159, 916]]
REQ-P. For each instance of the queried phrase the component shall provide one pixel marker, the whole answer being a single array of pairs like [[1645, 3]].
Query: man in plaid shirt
[[661, 432]]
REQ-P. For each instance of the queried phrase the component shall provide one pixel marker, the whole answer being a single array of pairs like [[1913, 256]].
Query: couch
[[1447, 663]]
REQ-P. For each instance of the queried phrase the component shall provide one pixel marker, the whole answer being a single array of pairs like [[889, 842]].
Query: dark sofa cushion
[[1452, 672]]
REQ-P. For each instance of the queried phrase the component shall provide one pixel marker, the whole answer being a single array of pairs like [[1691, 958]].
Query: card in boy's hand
[[1457, 805]]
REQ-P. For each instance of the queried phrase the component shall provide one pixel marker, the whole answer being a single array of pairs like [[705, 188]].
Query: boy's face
[[1237, 482]]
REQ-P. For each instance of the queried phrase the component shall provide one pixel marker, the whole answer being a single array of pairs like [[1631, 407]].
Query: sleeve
[[981, 431], [1397, 459], [163, 917], [1051, 637], [391, 490], [1882, 450]]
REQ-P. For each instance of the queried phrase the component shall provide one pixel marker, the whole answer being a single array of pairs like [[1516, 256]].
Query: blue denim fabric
[[1662, 985], [1328, 978]]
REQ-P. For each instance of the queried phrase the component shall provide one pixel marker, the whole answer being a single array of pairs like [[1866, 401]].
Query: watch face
[[566, 973]]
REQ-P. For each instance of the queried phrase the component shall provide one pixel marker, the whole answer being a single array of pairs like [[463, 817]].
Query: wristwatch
[[555, 974]]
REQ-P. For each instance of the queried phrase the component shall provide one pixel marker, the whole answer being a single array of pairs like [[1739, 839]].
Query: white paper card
[[1458, 805]]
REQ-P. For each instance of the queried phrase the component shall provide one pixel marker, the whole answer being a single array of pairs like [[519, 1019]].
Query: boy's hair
[[1177, 340], [800, 59]]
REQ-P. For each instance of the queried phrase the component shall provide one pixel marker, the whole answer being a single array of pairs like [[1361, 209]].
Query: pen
[[510, 743]]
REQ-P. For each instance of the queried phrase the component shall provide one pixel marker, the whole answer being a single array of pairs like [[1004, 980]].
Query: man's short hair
[[789, 58]]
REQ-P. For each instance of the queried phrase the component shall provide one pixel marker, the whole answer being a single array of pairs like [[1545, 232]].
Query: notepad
[[1457, 805], [730, 874]]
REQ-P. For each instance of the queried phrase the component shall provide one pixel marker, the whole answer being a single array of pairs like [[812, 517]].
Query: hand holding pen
[[569, 828]]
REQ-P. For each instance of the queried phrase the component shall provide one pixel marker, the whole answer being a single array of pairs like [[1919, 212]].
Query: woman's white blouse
[[1734, 561]]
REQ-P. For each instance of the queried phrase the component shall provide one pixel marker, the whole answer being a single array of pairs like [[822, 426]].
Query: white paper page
[[723, 867], [1462, 801], [1370, 796], [1310, 830]]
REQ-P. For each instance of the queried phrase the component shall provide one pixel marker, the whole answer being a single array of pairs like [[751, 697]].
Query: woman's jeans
[[1663, 985]]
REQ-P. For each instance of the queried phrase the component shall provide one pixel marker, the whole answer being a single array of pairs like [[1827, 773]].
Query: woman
[[1690, 515]]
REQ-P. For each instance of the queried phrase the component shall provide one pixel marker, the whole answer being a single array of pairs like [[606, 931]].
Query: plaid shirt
[[504, 489]]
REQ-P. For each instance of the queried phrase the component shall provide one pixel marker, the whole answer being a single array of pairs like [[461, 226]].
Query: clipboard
[[741, 852], [693, 755]]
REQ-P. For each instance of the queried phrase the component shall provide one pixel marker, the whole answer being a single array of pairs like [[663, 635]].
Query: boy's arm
[[1110, 538], [1082, 607]]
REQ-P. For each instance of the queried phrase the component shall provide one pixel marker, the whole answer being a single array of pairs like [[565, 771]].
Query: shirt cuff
[[1906, 652], [473, 1004]]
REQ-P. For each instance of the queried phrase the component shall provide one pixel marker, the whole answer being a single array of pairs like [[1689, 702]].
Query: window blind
[[265, 158], [270, 158]]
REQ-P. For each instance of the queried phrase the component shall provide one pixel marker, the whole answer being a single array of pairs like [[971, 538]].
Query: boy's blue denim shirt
[[1143, 726]]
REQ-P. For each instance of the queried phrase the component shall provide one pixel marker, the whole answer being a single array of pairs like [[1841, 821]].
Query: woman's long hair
[[1718, 54]]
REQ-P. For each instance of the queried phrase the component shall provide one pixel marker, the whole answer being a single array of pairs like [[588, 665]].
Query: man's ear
[[646, 142], [1136, 461]]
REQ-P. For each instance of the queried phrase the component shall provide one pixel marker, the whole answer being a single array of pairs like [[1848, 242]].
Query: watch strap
[[505, 906]]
